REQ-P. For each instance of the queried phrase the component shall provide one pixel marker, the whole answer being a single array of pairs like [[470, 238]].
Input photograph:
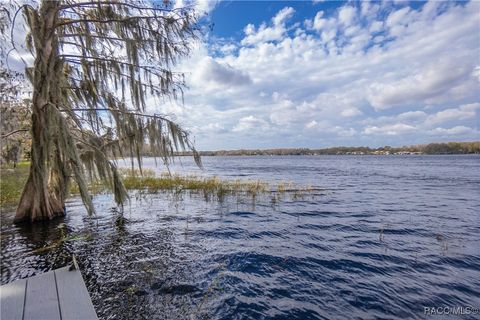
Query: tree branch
[[12, 39], [112, 61], [111, 20], [145, 85], [156, 71], [154, 116], [13, 132], [130, 5], [66, 35]]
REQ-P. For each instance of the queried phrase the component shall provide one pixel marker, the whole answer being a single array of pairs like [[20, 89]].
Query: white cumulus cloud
[[356, 75]]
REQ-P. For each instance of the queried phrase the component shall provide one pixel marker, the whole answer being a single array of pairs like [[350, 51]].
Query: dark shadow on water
[[41, 231]]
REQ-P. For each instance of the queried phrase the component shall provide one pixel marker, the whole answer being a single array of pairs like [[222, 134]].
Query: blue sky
[[275, 74], [318, 74], [231, 17]]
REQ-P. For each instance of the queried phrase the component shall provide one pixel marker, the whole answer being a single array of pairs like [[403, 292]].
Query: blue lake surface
[[380, 237]]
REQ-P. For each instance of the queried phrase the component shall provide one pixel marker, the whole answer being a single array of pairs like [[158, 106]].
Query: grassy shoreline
[[12, 182]]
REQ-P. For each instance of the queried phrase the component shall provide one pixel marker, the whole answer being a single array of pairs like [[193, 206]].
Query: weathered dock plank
[[41, 300], [75, 302], [12, 297], [56, 295]]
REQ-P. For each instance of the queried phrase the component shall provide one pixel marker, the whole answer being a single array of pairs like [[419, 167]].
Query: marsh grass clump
[[210, 187], [146, 182], [217, 189]]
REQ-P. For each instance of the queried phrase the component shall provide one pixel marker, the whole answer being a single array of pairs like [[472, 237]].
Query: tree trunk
[[38, 201]]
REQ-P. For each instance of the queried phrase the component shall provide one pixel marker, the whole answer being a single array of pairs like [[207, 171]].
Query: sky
[[316, 74], [275, 74]]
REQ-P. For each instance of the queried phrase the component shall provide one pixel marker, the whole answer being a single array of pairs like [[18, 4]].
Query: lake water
[[381, 237]]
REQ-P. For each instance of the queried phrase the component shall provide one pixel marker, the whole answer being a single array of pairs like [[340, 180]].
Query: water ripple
[[391, 236]]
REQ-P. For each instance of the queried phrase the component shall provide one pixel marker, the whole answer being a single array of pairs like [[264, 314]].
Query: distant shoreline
[[207, 154], [424, 149]]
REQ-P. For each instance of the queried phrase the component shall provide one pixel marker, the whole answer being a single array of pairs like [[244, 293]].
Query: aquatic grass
[[13, 180], [214, 185], [442, 240], [209, 186], [215, 284], [63, 238]]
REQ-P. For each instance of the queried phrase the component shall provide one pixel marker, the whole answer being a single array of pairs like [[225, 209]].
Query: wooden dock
[[56, 295]]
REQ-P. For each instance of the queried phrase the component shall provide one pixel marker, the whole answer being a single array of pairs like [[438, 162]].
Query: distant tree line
[[432, 148], [10, 154], [452, 148]]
